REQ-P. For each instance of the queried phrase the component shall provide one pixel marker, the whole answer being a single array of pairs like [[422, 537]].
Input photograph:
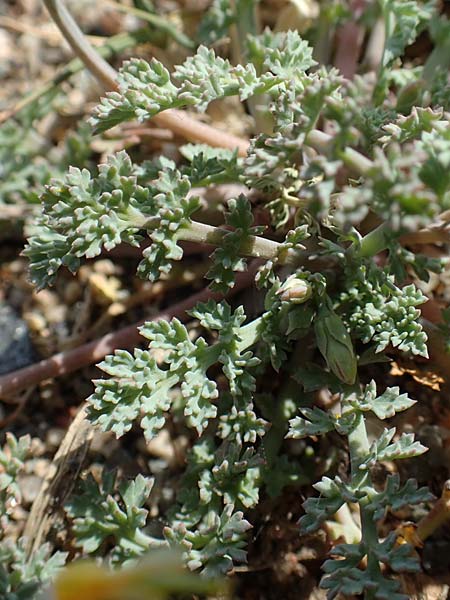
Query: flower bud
[[333, 341], [295, 290]]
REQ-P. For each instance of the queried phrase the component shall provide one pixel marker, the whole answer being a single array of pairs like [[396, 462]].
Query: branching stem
[[255, 246], [178, 121], [360, 476]]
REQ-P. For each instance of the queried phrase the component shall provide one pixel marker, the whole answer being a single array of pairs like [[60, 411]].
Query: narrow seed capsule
[[295, 290], [335, 345]]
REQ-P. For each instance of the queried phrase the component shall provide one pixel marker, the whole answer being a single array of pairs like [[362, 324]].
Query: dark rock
[[16, 350]]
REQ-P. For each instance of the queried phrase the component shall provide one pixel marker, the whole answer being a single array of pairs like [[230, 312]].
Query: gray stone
[[16, 350]]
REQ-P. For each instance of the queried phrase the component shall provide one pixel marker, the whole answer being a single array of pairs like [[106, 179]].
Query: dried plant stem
[[177, 121], [59, 481], [67, 362], [77, 41], [438, 515], [429, 235]]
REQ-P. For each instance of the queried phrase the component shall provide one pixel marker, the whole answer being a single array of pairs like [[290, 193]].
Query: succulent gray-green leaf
[[82, 215], [97, 515], [145, 89], [215, 544], [381, 313], [137, 389], [404, 447], [333, 494], [188, 362], [21, 577], [386, 405], [243, 426], [316, 422], [396, 496]]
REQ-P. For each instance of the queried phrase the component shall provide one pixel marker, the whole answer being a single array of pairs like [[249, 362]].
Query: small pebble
[[30, 486]]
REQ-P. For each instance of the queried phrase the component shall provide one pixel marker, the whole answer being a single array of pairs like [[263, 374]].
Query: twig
[[102, 70], [438, 515], [428, 235], [64, 363], [59, 481], [175, 120]]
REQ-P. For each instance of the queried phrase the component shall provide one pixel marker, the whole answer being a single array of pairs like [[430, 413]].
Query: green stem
[[360, 478], [249, 334], [322, 142], [202, 233], [322, 45], [370, 536], [255, 246], [356, 161], [286, 406], [387, 26], [437, 62], [373, 243], [247, 23], [359, 448]]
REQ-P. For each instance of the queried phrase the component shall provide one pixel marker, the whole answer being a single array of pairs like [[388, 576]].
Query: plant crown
[[336, 279]]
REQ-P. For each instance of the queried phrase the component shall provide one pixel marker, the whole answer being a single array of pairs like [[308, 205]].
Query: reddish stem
[[349, 38], [67, 362]]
